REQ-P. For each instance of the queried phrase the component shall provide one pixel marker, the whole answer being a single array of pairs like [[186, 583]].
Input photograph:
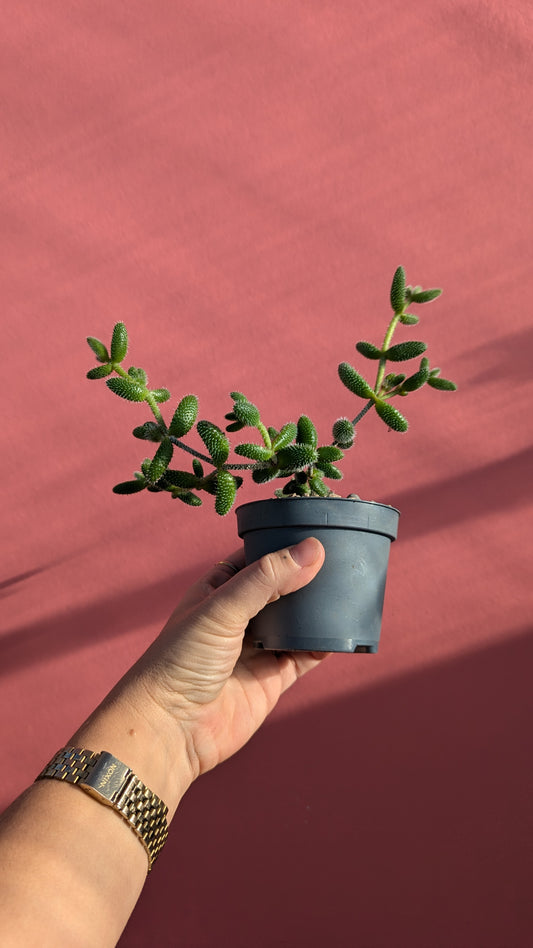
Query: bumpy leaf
[[98, 348], [317, 485], [226, 490], [246, 413], [391, 416], [257, 452], [180, 478], [100, 372], [160, 394], [184, 416], [215, 441], [329, 470], [296, 457], [368, 350], [188, 498], [197, 467], [235, 426], [405, 350], [119, 342], [425, 296], [397, 290], [306, 432], [161, 460], [138, 374], [329, 452], [343, 431], [285, 436], [262, 475], [149, 431], [419, 378], [129, 487], [130, 390], [445, 385], [408, 319], [354, 382]]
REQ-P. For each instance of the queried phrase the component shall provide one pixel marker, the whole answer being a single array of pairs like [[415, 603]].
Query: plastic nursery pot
[[341, 609]]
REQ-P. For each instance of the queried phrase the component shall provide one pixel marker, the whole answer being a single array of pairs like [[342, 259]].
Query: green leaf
[[180, 478], [405, 350], [296, 457], [419, 378], [354, 382], [184, 416], [445, 385], [130, 390], [285, 436], [273, 433], [368, 350], [149, 431], [129, 487], [408, 319], [306, 432], [161, 460], [329, 470], [329, 452], [238, 397], [391, 416], [138, 374], [424, 296], [343, 431], [262, 475], [98, 348], [393, 380], [226, 490], [197, 467], [397, 290], [257, 452], [215, 441], [317, 485], [188, 498], [235, 426], [119, 343], [100, 372], [246, 413], [160, 394]]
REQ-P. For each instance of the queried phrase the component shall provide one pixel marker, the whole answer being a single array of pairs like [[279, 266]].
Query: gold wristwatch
[[114, 784]]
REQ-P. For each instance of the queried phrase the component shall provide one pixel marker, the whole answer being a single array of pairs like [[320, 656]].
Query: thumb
[[232, 605]]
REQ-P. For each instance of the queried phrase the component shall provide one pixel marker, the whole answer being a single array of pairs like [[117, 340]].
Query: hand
[[215, 687]]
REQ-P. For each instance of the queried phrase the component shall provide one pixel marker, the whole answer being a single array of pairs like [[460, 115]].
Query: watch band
[[114, 784]]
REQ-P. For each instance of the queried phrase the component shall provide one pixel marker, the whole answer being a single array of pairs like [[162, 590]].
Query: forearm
[[72, 867]]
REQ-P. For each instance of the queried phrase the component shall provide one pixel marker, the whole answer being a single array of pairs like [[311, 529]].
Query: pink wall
[[238, 181]]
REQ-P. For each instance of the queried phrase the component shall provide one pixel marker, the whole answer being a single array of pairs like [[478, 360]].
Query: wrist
[[131, 725]]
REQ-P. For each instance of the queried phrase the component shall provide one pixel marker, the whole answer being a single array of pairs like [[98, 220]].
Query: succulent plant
[[291, 452]]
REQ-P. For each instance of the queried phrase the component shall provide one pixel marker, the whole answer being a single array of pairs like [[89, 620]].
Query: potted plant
[[341, 609]]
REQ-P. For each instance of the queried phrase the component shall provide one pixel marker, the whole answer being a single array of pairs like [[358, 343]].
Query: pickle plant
[[291, 452]]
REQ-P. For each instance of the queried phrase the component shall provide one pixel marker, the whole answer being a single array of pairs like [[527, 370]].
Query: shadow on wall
[[397, 817], [501, 485], [103, 619]]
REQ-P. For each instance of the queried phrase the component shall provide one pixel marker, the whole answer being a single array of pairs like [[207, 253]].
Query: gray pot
[[341, 609]]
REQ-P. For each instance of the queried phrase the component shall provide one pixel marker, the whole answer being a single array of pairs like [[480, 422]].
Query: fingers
[[234, 603]]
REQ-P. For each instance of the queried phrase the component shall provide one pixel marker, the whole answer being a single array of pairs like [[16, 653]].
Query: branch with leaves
[[291, 452]]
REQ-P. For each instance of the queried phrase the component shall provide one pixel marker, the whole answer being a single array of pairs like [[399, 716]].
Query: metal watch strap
[[114, 784]]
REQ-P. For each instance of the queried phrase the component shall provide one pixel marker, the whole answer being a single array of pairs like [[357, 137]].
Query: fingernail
[[305, 553]]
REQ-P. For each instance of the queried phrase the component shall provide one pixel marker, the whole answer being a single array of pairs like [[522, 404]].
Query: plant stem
[[386, 343], [363, 412], [208, 460]]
